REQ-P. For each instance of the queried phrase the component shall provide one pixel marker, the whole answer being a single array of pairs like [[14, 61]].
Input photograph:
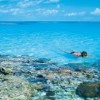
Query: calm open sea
[[43, 39]]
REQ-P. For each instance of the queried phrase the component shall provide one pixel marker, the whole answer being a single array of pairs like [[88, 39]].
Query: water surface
[[43, 39]]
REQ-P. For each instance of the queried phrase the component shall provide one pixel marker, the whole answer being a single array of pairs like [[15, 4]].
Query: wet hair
[[83, 54]]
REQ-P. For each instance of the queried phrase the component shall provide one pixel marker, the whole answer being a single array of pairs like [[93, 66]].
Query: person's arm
[[63, 51]]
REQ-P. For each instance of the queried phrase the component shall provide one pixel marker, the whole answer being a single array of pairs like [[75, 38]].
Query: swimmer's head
[[83, 54]]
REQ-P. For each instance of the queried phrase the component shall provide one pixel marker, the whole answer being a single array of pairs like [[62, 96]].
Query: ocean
[[34, 65], [49, 39]]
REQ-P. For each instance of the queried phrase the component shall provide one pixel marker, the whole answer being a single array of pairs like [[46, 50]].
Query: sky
[[49, 10]]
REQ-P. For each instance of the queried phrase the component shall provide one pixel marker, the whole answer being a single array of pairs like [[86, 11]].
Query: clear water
[[43, 39]]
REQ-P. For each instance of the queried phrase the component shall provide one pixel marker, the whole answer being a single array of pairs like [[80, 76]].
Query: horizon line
[[49, 21]]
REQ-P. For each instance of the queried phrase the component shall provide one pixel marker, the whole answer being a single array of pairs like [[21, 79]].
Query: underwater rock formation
[[89, 89]]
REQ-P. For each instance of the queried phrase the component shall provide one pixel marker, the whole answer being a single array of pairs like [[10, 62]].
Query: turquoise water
[[43, 39]]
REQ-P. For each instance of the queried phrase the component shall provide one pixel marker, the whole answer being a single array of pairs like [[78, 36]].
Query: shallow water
[[45, 39]]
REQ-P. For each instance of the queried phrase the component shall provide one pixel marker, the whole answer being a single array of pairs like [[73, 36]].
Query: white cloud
[[71, 14], [47, 11], [4, 11], [24, 4], [58, 5], [20, 7], [28, 3], [13, 11], [50, 12], [75, 14], [52, 1], [96, 12]]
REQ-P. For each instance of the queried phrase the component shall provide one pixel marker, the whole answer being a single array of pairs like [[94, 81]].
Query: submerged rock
[[6, 70], [42, 60], [50, 95], [38, 86], [3, 71], [40, 76], [89, 89], [3, 56], [79, 66], [14, 88], [97, 64], [46, 80]]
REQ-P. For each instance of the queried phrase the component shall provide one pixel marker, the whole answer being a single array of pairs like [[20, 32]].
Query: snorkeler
[[79, 54]]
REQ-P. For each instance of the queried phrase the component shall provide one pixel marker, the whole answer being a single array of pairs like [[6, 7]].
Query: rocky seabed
[[26, 78]]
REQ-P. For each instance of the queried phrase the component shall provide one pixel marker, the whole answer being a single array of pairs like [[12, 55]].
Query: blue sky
[[49, 10]]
